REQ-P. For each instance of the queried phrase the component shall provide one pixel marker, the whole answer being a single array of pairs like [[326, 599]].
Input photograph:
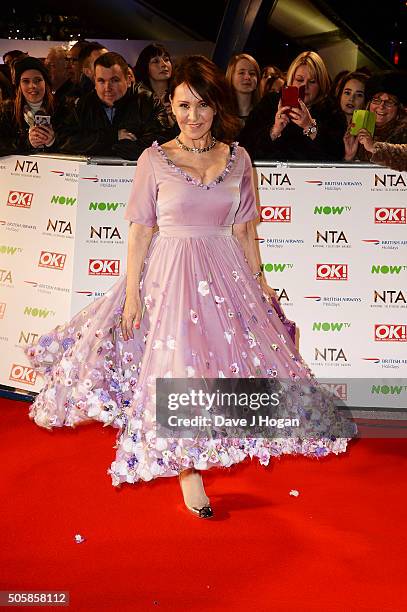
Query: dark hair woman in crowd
[[20, 131], [274, 82], [386, 93], [268, 72], [278, 132], [350, 94], [154, 70], [243, 76]]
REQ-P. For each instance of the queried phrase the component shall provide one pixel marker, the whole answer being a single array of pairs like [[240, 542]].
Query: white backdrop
[[333, 243]]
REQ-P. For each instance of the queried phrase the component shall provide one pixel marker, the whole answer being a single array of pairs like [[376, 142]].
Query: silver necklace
[[196, 149]]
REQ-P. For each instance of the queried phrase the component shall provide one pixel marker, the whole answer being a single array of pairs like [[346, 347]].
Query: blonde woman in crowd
[[297, 131], [243, 75]]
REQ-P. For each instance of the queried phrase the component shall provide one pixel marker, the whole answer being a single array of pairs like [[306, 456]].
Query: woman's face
[[244, 78], [160, 68], [302, 76], [385, 108], [353, 96], [277, 85], [32, 86], [194, 116]]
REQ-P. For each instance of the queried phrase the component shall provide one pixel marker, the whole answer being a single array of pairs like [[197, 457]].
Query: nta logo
[[276, 214], [389, 180], [332, 271], [56, 261], [2, 309], [274, 179], [104, 267], [390, 332], [20, 199], [26, 166], [28, 338], [389, 215], [59, 226], [330, 354], [5, 276], [389, 296], [104, 231], [331, 237], [24, 374]]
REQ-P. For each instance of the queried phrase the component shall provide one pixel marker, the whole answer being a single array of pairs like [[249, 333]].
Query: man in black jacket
[[115, 119]]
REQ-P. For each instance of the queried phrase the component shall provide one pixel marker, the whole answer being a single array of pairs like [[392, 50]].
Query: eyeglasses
[[386, 103]]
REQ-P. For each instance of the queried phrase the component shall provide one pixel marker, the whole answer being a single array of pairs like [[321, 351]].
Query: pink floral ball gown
[[205, 316]]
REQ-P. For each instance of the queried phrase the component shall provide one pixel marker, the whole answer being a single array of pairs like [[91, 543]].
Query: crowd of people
[[87, 100]]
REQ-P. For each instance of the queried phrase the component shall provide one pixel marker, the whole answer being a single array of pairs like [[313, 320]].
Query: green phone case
[[363, 119]]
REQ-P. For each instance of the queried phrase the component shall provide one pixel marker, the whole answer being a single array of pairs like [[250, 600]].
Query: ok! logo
[[55, 261]]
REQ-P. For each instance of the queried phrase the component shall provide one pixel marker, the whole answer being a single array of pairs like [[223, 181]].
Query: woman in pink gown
[[193, 304]]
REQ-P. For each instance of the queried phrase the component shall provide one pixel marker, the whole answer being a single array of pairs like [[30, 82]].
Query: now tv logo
[[391, 332], [55, 261], [104, 267], [23, 374], [276, 214], [389, 215], [20, 199], [332, 271]]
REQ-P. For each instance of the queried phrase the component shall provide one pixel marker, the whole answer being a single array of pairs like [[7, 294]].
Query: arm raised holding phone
[[294, 127]]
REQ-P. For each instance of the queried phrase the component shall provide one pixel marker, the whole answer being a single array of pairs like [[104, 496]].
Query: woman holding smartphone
[[26, 123], [386, 93], [286, 127]]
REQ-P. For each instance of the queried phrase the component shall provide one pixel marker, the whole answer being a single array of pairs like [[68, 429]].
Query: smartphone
[[363, 119], [42, 120], [290, 95]]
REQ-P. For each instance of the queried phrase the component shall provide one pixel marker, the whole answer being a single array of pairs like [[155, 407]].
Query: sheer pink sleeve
[[141, 207], [247, 210]]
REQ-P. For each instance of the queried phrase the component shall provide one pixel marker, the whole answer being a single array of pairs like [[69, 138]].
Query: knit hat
[[30, 63], [391, 82]]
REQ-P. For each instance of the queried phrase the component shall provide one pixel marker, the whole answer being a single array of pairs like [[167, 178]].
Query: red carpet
[[339, 546]]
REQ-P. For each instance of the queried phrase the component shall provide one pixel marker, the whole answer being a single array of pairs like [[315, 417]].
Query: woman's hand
[[131, 317], [41, 135], [351, 144], [268, 292], [301, 116], [365, 139], [281, 120]]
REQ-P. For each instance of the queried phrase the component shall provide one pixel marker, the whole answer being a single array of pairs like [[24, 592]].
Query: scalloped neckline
[[195, 181]]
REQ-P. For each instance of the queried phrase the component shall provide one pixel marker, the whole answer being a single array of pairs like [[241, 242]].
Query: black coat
[[292, 145], [88, 131], [14, 139]]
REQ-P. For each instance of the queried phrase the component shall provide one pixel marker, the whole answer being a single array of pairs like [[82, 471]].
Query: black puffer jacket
[[292, 145], [88, 131]]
